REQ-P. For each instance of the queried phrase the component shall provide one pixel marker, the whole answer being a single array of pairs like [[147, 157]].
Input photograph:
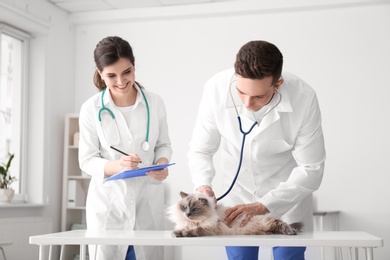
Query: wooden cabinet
[[75, 184]]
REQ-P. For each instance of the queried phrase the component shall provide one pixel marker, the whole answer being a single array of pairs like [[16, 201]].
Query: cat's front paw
[[185, 233], [188, 233], [177, 233]]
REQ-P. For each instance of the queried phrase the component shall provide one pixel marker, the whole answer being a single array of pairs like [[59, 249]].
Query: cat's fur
[[196, 215]]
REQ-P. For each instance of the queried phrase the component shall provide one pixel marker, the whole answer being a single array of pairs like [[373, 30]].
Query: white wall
[[341, 50]]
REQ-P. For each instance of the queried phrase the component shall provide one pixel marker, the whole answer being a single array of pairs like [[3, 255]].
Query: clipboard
[[137, 172]]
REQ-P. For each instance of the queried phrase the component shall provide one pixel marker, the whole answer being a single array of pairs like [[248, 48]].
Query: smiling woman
[[119, 116], [13, 51]]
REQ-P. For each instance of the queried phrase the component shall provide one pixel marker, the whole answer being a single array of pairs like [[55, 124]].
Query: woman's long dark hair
[[107, 52]]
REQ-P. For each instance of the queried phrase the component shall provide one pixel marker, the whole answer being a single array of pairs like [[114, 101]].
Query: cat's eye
[[195, 209], [183, 207]]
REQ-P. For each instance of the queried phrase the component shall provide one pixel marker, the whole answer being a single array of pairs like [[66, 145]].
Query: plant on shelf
[[6, 192], [5, 178]]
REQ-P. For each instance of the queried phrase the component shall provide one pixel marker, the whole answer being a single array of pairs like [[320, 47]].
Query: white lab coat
[[284, 156], [135, 203]]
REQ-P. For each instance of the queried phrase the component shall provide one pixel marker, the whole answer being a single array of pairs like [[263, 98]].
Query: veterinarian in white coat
[[284, 155], [126, 204]]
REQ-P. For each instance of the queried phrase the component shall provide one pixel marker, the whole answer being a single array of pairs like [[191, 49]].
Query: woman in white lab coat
[[284, 154], [118, 116]]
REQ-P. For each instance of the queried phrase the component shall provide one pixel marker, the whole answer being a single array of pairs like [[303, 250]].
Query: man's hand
[[244, 210], [206, 190]]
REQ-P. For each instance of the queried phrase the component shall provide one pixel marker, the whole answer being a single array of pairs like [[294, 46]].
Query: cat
[[196, 215]]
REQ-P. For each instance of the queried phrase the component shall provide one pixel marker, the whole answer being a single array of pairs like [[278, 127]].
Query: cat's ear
[[183, 194], [204, 201]]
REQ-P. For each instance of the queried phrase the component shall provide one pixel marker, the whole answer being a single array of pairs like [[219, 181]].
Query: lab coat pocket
[[116, 196]]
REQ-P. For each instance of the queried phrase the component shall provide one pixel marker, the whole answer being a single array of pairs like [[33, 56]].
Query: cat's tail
[[296, 227], [281, 227]]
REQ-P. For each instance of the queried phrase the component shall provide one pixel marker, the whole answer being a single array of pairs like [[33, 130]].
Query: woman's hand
[[129, 162], [244, 210], [159, 175], [126, 162]]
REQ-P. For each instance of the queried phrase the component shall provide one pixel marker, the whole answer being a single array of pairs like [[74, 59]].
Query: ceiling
[[74, 6]]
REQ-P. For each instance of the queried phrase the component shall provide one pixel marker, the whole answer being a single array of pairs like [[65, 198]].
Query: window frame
[[25, 39]]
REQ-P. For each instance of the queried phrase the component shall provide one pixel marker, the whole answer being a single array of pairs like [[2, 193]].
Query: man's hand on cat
[[247, 211], [206, 190]]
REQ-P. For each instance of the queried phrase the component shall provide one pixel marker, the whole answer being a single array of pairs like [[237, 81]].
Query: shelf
[[75, 184], [75, 208], [77, 177]]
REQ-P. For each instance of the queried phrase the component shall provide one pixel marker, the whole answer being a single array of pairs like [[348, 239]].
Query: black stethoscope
[[145, 145], [245, 133]]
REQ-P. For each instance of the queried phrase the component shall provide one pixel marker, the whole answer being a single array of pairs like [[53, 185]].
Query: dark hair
[[259, 59], [107, 52]]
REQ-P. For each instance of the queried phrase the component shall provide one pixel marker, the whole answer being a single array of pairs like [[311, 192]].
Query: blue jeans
[[252, 253], [130, 255]]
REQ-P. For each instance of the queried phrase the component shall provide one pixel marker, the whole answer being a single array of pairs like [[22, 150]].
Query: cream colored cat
[[196, 215]]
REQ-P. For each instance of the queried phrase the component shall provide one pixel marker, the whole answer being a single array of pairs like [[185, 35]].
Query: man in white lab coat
[[283, 155]]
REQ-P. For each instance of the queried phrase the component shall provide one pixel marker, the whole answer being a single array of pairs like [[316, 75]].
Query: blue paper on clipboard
[[138, 172]]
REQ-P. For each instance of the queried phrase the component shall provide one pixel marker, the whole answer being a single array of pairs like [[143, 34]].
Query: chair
[[4, 243]]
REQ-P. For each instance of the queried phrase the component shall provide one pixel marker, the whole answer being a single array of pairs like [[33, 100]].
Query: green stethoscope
[[145, 144]]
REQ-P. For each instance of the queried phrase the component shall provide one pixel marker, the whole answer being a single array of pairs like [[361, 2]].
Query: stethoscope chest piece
[[145, 146]]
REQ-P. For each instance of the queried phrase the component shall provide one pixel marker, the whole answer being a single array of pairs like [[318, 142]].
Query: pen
[[112, 147]]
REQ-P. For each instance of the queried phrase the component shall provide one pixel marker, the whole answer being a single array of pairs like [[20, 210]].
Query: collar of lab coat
[[272, 116], [283, 106], [139, 99]]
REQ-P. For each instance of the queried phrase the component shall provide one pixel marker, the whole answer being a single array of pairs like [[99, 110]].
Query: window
[[13, 93]]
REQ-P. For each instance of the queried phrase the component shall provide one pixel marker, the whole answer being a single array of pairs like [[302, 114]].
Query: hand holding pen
[[134, 159], [128, 161]]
